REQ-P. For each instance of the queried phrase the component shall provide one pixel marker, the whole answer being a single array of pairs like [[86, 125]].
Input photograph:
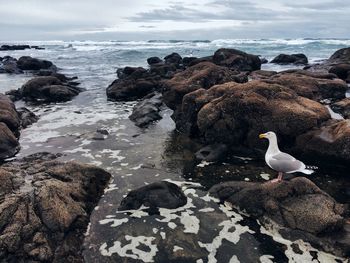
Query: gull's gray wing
[[284, 162]]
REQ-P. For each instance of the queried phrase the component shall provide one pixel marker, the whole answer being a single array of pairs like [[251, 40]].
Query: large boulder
[[296, 204], [290, 59], [235, 114], [8, 114], [9, 145], [311, 85], [29, 63], [156, 195], [203, 75], [132, 84], [236, 59], [341, 56], [9, 65], [342, 71], [332, 141], [45, 208], [48, 89]]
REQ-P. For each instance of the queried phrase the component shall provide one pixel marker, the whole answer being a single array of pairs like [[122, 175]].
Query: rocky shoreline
[[224, 102]]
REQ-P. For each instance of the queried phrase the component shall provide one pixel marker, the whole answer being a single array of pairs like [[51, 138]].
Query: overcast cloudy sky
[[155, 19]]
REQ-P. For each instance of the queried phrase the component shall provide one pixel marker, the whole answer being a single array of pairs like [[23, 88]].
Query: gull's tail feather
[[309, 169]]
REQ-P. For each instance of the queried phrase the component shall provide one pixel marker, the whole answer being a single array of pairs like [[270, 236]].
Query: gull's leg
[[279, 178]]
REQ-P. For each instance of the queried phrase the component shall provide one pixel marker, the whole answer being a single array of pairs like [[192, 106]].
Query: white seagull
[[280, 161]]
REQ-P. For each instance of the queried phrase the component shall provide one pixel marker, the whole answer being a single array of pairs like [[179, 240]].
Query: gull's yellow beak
[[261, 136]]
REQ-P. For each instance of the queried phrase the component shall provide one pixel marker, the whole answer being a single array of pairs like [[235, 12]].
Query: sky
[[186, 20]]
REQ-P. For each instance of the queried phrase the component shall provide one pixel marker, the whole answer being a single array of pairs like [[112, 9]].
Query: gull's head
[[269, 135]]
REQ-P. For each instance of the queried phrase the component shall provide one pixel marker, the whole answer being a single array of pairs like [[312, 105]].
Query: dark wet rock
[[131, 89], [14, 47], [48, 89], [332, 140], [45, 210], [154, 60], [212, 153], [235, 114], [173, 58], [262, 74], [236, 59], [9, 65], [290, 59], [9, 145], [296, 204], [103, 131], [263, 60], [63, 78], [302, 210], [133, 83], [14, 94], [341, 56], [156, 195], [29, 63], [27, 117], [164, 70], [186, 61], [342, 107], [200, 60], [202, 75], [342, 71], [147, 111], [312, 85], [9, 115]]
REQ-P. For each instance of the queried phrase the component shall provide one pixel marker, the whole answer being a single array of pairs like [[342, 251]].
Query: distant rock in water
[[147, 111], [18, 47], [9, 65], [156, 195], [290, 59], [304, 210], [44, 215]]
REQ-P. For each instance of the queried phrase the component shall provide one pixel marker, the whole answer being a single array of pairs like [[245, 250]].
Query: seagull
[[280, 161]]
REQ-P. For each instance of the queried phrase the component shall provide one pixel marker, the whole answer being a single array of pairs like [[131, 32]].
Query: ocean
[[136, 157]]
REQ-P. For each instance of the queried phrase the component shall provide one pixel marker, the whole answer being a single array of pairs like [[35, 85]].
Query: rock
[[131, 89], [236, 59], [262, 74], [173, 58], [29, 63], [212, 153], [341, 56], [290, 59], [45, 208], [235, 114], [154, 60], [297, 204], [202, 75], [27, 117], [9, 115], [48, 89], [342, 107], [133, 83], [312, 85], [331, 141], [9, 65], [342, 71], [14, 94], [9, 145], [186, 61], [263, 60], [147, 111], [14, 47], [156, 195], [164, 70], [199, 60]]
